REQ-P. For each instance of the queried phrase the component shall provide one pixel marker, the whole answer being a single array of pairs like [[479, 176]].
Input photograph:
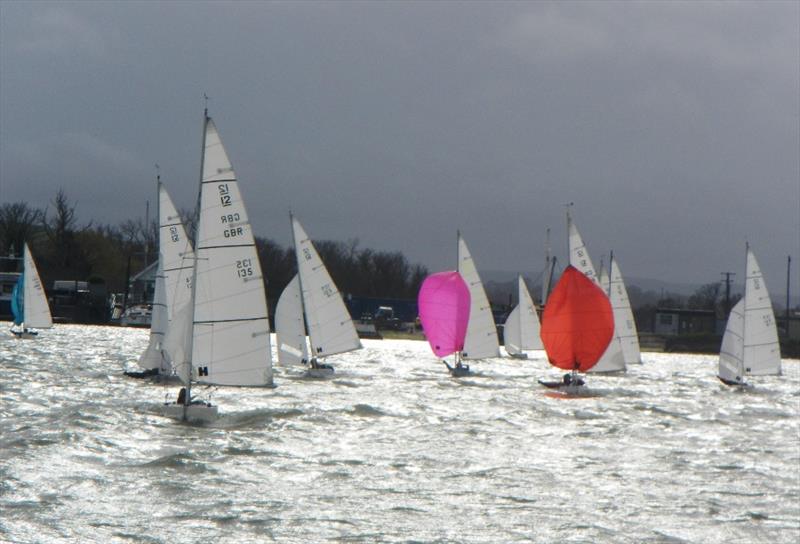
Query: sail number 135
[[244, 268]]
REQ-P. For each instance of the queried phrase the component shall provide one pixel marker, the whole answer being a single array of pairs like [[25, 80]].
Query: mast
[[610, 264], [547, 272], [788, 275], [312, 355], [188, 398], [744, 313], [457, 359]]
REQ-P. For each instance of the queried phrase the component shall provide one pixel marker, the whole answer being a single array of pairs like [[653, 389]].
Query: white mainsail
[[153, 356], [230, 334], [624, 323], [521, 330], [762, 351], [481, 341], [290, 329], [173, 286], [36, 308], [578, 255], [750, 343], [330, 327], [176, 253], [613, 359]]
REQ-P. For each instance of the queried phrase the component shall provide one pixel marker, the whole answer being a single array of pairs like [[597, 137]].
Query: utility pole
[[728, 291]]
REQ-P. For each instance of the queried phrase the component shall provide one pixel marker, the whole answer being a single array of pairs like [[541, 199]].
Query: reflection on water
[[392, 450]]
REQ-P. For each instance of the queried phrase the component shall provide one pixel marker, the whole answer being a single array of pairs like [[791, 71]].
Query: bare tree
[[18, 223]]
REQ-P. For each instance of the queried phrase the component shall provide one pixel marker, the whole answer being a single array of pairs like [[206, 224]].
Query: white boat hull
[[197, 412], [319, 372], [24, 335]]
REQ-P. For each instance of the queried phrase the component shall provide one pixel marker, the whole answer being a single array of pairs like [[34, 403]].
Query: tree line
[[65, 249]]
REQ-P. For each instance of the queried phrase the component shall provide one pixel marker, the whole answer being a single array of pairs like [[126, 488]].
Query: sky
[[673, 127]]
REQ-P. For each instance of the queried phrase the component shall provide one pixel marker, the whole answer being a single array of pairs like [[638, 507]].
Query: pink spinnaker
[[444, 304]]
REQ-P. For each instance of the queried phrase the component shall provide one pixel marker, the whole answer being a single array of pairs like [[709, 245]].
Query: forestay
[[290, 330], [481, 341], [330, 327], [231, 344]]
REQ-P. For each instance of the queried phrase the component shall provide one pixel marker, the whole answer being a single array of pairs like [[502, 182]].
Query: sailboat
[[220, 335], [313, 295], [521, 330], [750, 344], [613, 359], [481, 341], [577, 326], [28, 301], [444, 310], [175, 258]]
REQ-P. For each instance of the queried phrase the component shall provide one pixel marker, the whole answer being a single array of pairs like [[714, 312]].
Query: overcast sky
[[673, 127]]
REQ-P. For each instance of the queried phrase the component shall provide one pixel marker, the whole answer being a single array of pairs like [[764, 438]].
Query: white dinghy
[[221, 335], [29, 304], [613, 360], [750, 344], [521, 330], [312, 298]]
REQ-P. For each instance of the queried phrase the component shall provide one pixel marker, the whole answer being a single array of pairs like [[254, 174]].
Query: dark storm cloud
[[672, 126]]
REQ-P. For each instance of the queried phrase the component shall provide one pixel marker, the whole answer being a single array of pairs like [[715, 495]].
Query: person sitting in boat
[[570, 380], [182, 396], [460, 366]]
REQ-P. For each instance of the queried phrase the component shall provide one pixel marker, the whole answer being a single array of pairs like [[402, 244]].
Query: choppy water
[[392, 450]]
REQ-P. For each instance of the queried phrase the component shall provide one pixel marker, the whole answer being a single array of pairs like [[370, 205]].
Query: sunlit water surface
[[392, 450]]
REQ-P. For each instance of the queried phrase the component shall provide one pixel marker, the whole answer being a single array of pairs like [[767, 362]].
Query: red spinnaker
[[577, 323], [444, 311]]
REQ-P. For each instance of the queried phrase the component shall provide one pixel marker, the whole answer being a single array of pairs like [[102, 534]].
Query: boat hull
[[320, 372], [197, 412], [731, 383], [25, 335]]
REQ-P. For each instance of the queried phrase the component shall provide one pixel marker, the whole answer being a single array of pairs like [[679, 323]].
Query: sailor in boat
[[569, 379], [142, 374], [459, 368]]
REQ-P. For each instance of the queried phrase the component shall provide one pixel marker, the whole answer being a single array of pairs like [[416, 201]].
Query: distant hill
[[500, 282]]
